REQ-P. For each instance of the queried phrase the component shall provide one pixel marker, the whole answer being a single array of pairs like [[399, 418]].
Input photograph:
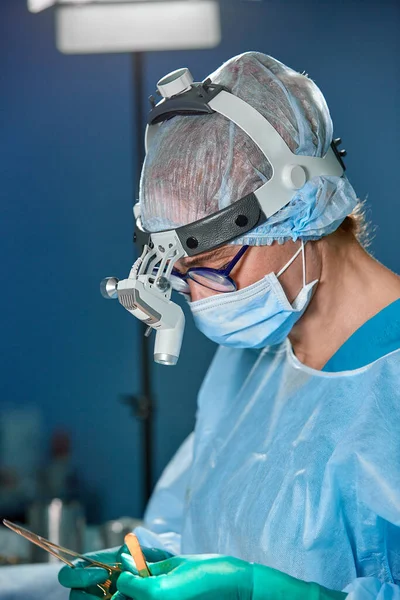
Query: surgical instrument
[[136, 552], [58, 551]]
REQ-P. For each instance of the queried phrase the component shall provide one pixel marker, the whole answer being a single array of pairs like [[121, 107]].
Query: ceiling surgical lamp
[[88, 26]]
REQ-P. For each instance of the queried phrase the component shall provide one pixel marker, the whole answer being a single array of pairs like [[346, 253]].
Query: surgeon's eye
[[224, 266]]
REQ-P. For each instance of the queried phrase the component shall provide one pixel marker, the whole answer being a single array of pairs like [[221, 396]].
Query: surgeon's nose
[[198, 292]]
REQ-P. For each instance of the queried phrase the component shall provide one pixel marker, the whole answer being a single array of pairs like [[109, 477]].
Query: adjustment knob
[[294, 177], [108, 288], [175, 83]]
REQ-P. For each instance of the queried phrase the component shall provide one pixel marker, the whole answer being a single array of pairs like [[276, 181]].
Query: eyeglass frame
[[225, 272]]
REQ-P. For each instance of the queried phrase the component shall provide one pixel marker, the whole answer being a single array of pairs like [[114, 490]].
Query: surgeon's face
[[257, 262]]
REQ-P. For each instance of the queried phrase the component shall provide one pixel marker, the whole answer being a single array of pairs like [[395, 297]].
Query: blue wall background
[[66, 195]]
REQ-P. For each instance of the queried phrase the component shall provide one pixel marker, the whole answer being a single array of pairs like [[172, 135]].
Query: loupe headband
[[290, 171]]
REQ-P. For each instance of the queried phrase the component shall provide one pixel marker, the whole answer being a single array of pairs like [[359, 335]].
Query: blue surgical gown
[[291, 467]]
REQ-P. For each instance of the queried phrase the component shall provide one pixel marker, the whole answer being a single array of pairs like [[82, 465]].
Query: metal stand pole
[[145, 402]]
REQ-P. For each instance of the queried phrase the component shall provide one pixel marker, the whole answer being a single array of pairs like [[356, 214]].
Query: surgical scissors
[[57, 551]]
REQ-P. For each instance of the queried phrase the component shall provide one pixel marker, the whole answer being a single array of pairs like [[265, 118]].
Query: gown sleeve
[[164, 514]]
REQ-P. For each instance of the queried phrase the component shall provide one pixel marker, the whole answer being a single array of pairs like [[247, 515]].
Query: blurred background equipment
[[59, 479], [112, 532], [21, 457], [62, 522]]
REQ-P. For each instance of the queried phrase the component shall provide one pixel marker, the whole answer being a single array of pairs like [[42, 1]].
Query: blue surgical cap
[[200, 164]]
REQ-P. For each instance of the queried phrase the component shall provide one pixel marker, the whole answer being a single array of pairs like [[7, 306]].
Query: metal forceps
[[58, 552]]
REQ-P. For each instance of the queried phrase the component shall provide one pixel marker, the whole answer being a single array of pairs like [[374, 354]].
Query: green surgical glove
[[211, 577], [83, 581]]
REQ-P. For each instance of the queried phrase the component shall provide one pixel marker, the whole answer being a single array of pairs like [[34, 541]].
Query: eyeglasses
[[213, 279]]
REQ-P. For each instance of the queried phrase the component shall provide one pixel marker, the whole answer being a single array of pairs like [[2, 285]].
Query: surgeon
[[289, 487]]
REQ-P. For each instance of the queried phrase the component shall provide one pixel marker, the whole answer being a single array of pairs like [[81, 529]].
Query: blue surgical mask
[[254, 317]]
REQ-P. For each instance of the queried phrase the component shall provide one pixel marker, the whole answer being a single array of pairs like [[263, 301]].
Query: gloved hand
[[80, 578], [213, 577]]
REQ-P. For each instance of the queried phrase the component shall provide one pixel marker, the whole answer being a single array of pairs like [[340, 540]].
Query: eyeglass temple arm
[[225, 271], [235, 260]]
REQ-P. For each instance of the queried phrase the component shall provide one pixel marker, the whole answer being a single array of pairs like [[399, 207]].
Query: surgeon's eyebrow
[[193, 261]]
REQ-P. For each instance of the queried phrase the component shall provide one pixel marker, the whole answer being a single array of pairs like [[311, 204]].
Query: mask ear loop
[[292, 260], [301, 249]]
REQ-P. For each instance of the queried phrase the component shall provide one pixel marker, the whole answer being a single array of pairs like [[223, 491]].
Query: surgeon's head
[[198, 165]]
